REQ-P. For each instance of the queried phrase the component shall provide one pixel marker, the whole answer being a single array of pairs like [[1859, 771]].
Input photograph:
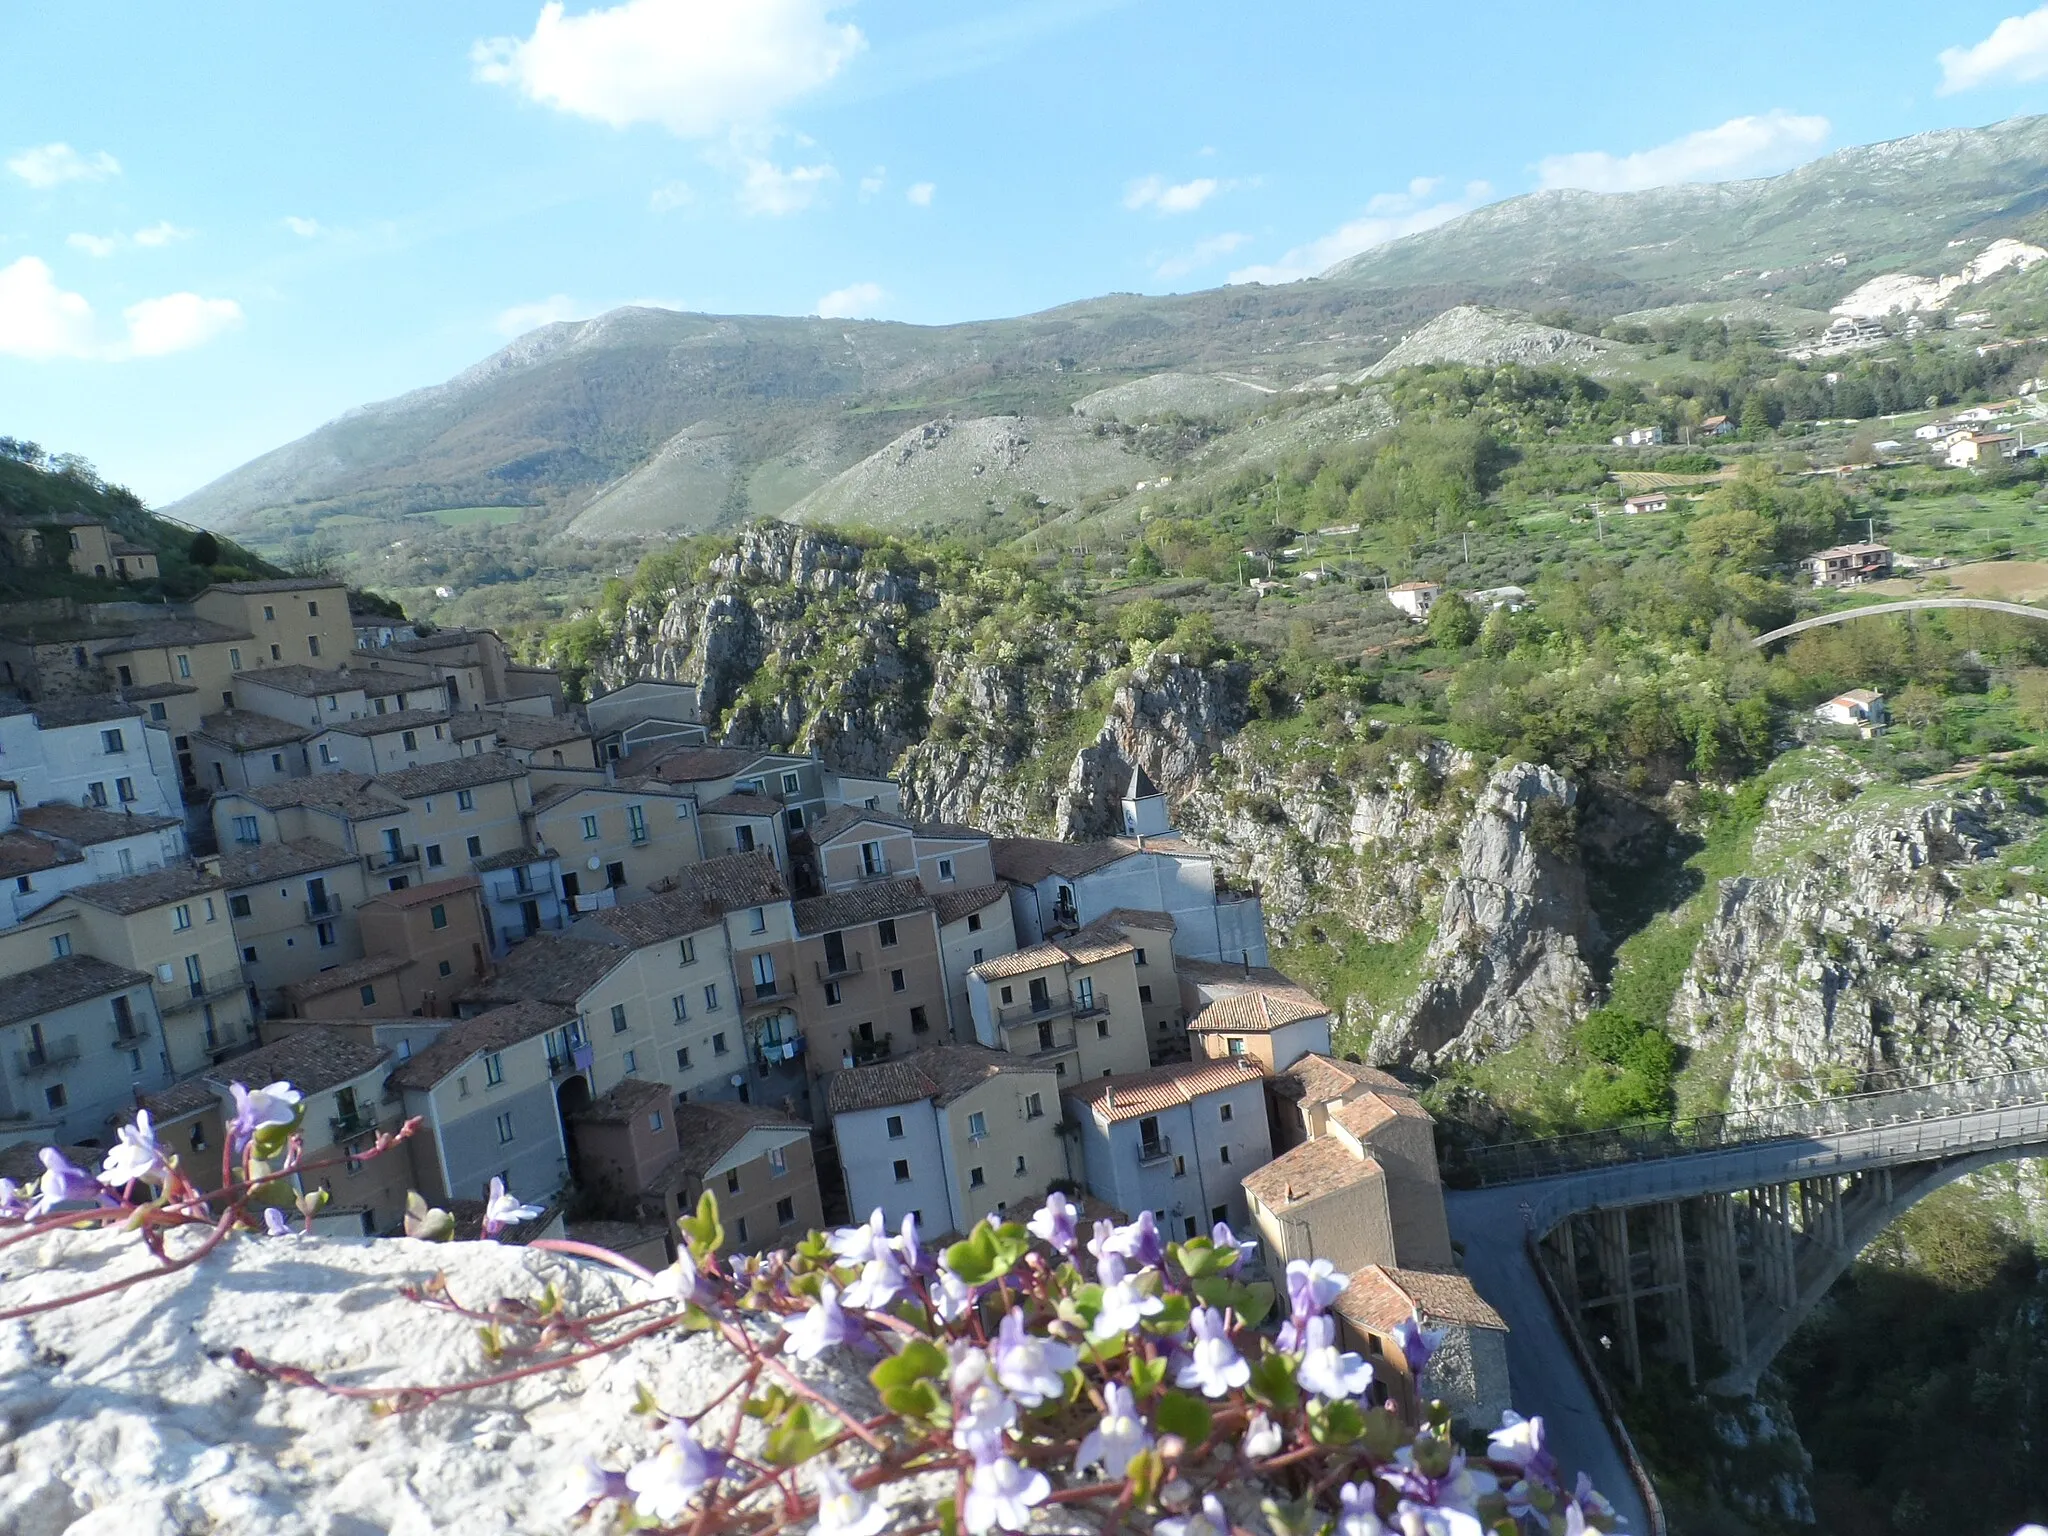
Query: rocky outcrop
[[1513, 935], [1169, 717]]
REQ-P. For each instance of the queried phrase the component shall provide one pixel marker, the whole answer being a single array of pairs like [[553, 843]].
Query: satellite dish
[[739, 1079], [593, 862]]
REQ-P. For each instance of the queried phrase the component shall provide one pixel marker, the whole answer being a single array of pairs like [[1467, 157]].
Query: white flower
[[1209, 1520], [1215, 1366], [1002, 1494], [1326, 1371], [881, 1281], [1124, 1306], [503, 1210], [1119, 1437], [857, 1245], [842, 1510], [664, 1484], [952, 1297], [824, 1325], [1032, 1368], [678, 1281], [1518, 1441], [982, 1410], [583, 1485], [135, 1155], [1262, 1437]]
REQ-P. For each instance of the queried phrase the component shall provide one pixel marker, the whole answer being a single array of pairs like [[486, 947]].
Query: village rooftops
[[77, 709], [1862, 697], [140, 893], [180, 1101], [87, 825], [61, 983], [247, 731], [389, 724], [1324, 1079], [280, 861], [1257, 1012], [843, 818], [707, 1132], [1140, 917], [555, 968], [940, 1073], [309, 1059], [1849, 552], [171, 634], [1319, 1167], [458, 773], [351, 796], [740, 805], [1028, 860], [688, 765], [631, 1097], [424, 895], [1100, 940], [547, 796], [306, 682], [1135, 1094], [491, 1031], [23, 853], [1415, 586], [953, 904], [341, 978], [278, 584], [1372, 1109], [867, 903], [737, 881], [439, 640], [513, 858], [527, 733], [660, 918], [1381, 1298], [951, 832], [149, 691]]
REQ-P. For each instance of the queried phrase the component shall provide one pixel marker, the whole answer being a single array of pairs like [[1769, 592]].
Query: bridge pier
[[1721, 1276], [1668, 1269]]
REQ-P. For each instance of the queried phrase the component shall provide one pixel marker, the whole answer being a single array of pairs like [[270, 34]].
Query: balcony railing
[[391, 858], [1053, 1005], [849, 965], [359, 1121], [576, 1059], [48, 1056], [773, 994], [320, 911], [172, 998], [1046, 1042], [129, 1031], [1155, 1151], [866, 1051]]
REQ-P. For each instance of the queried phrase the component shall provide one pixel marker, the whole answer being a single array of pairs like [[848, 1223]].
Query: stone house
[[756, 1162], [294, 906], [1415, 598], [1469, 1372], [1071, 1003], [1057, 886], [1273, 1025], [618, 837], [868, 974], [1176, 1141], [292, 619], [386, 743]]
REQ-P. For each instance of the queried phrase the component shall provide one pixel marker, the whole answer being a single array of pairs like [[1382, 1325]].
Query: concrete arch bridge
[[1908, 605]]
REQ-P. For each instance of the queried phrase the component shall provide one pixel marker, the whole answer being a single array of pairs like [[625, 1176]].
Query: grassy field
[[458, 517]]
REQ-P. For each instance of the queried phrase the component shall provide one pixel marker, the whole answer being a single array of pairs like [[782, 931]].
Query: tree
[[1144, 564], [1146, 619], [1739, 538], [1756, 416], [205, 550], [2030, 695], [1919, 706], [1452, 623]]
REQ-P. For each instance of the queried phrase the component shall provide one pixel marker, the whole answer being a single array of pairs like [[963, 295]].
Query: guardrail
[[1516, 1161]]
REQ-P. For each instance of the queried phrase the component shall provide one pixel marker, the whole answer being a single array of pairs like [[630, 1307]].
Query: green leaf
[[919, 1360], [1215, 1290], [1185, 1416], [973, 1259], [643, 1399], [703, 1231], [1174, 1316], [949, 1518], [1008, 1244], [1146, 1471], [425, 1222], [920, 1401], [1147, 1376], [1272, 1381], [1199, 1257], [1253, 1302], [493, 1341], [1337, 1423], [1296, 1517], [798, 1437]]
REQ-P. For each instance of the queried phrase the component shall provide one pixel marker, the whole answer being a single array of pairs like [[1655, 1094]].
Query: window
[[1224, 1155], [895, 1125], [793, 818], [277, 762], [55, 1096], [615, 875], [977, 955], [632, 1062], [438, 915], [1021, 1169], [324, 932], [369, 994], [977, 1126], [1140, 956], [127, 677], [590, 829], [757, 920], [312, 609], [505, 1127], [636, 823], [1180, 1167], [778, 1165], [885, 930], [159, 714], [476, 849], [269, 614], [791, 783], [732, 1181], [245, 830], [896, 981], [1144, 994], [618, 1018], [976, 1178], [740, 1227], [1218, 1213], [181, 917], [687, 952], [276, 654], [1084, 993], [873, 861], [1228, 1113], [111, 742], [465, 800], [833, 996], [312, 645], [743, 838], [945, 869], [1009, 995], [682, 1007], [919, 1022], [974, 922], [718, 1046], [1034, 1107], [211, 914], [683, 1058], [711, 998], [248, 954], [1234, 1045], [447, 968], [98, 792], [494, 1070], [785, 1210], [764, 975], [434, 860], [235, 657], [409, 740], [902, 1171], [326, 753], [184, 666]]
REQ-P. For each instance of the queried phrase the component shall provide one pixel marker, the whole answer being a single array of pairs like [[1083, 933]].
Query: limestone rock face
[[126, 1417], [1168, 717]]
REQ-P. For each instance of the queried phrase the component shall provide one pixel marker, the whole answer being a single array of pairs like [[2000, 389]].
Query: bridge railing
[[1514, 1161]]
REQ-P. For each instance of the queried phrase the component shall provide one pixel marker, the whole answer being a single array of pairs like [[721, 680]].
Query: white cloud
[[1156, 193], [40, 321], [1201, 254], [304, 228], [921, 193], [856, 301], [766, 187], [1388, 216], [872, 183], [94, 245], [696, 67], [2015, 53], [163, 232], [176, 322], [521, 318], [1742, 146], [671, 195], [51, 165]]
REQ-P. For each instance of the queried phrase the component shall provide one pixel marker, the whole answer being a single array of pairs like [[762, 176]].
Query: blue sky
[[221, 226]]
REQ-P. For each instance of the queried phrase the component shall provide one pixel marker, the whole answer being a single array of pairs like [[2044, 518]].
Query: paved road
[[1543, 1373]]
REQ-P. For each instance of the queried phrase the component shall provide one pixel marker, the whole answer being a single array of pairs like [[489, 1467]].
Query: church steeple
[[1144, 807]]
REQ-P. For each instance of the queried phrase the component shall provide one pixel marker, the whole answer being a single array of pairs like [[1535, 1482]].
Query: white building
[[79, 1039], [1640, 437], [1859, 706], [1978, 447], [1176, 1141], [1415, 598], [93, 750]]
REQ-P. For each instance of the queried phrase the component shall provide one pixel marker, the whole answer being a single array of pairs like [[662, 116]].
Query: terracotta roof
[[389, 723], [548, 796], [1229, 976], [511, 858], [23, 853], [529, 733], [1380, 1298], [280, 861], [1140, 917], [555, 968], [353, 796], [697, 764], [1028, 860], [247, 731], [302, 681], [191, 1097], [1369, 1111], [1310, 1171], [424, 895], [20, 1161], [940, 1072], [1318, 1079], [843, 818], [740, 805], [952, 832], [658, 919], [341, 977], [491, 1031], [952, 904], [139, 893], [740, 880], [88, 824], [280, 584], [707, 1131], [1100, 940], [170, 633], [62, 983], [309, 1059], [458, 773], [147, 691], [1256, 1013], [82, 709], [866, 903], [1132, 1094], [630, 1097]]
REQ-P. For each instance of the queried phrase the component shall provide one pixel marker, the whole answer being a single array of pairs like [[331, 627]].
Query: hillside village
[[260, 838]]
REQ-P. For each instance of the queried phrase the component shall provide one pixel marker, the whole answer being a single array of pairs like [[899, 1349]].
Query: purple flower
[[1139, 1242], [857, 1245], [503, 1210], [1105, 1233], [1427, 1520], [952, 1297], [1357, 1515], [881, 1281], [842, 1509], [1519, 1443], [274, 1222], [1033, 1369], [678, 1281], [664, 1484], [1327, 1371], [1002, 1495], [135, 1155], [1418, 1344], [1054, 1223], [1209, 1520], [1214, 1365], [1453, 1493], [982, 1410], [64, 1184], [1224, 1238], [907, 1244], [259, 1109], [12, 1206], [1585, 1499], [1311, 1286], [817, 1330], [1124, 1306], [1118, 1437], [584, 1484]]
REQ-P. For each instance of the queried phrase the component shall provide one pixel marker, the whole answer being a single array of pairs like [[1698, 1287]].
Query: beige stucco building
[[1071, 1003]]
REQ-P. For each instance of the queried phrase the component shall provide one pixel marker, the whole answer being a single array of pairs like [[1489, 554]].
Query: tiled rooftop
[[390, 723], [1028, 860], [459, 773], [555, 968], [305, 682], [88, 824], [706, 1132], [952, 903], [844, 818], [353, 796], [867, 903], [491, 1031], [1100, 940], [279, 584], [738, 881], [741, 805], [247, 731], [513, 858], [169, 634], [157, 888], [939, 1072], [1308, 1172], [23, 853], [425, 895], [311, 1060], [627, 1099], [341, 978], [83, 709], [1324, 1079], [1369, 1111], [1133, 1094], [1381, 1298], [61, 983], [265, 862], [1256, 1013]]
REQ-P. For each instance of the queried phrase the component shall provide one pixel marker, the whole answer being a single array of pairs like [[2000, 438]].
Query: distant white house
[[1859, 706], [1514, 599], [1640, 437], [1934, 431], [1651, 501], [1847, 564], [1978, 447], [1415, 598], [1716, 426]]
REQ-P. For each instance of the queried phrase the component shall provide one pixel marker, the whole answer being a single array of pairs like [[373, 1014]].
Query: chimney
[[1247, 954], [1109, 1097]]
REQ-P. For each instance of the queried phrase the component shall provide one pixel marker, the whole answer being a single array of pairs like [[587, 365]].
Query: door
[[316, 897], [835, 953], [569, 889], [529, 914], [1041, 995]]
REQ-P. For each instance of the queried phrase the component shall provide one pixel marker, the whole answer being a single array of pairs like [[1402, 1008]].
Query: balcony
[[174, 999], [1056, 1005], [766, 994], [320, 911], [128, 1032], [865, 1052], [1159, 1151], [379, 860], [1046, 1042], [359, 1121], [1087, 1005], [46, 1056], [849, 965], [576, 1059]]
